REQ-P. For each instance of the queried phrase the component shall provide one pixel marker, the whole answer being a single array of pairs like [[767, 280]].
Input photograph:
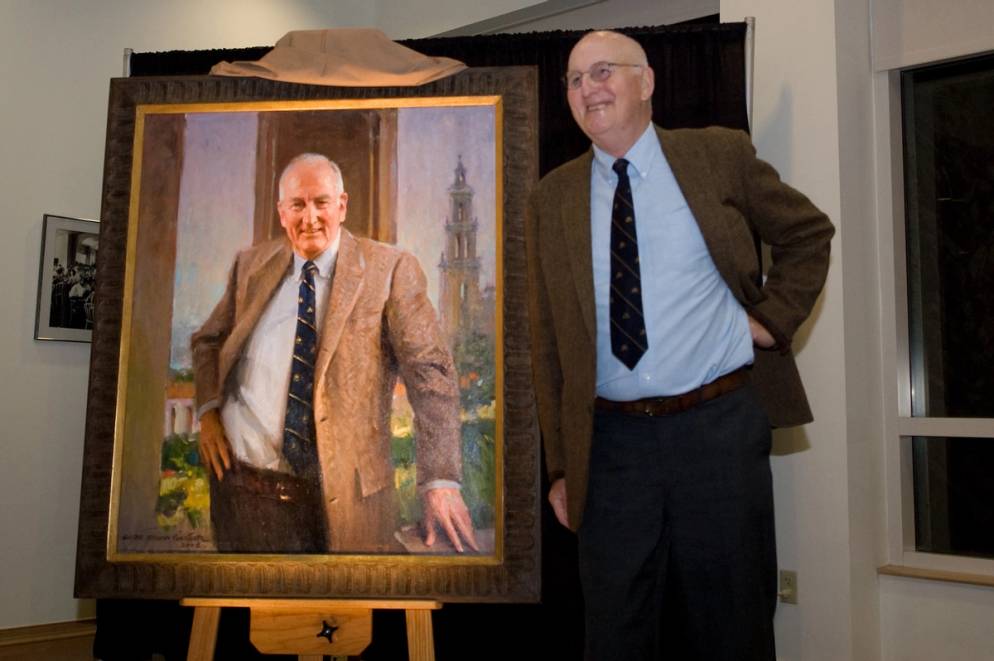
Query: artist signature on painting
[[187, 540]]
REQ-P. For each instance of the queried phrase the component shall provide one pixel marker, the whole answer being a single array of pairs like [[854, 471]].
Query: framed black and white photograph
[[66, 279]]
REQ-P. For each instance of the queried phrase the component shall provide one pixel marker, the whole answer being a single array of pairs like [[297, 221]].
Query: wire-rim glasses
[[598, 72]]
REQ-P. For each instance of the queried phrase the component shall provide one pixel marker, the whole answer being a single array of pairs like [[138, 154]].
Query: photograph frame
[[75, 313], [510, 574]]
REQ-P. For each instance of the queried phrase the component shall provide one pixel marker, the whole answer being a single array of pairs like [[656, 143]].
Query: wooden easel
[[296, 626]]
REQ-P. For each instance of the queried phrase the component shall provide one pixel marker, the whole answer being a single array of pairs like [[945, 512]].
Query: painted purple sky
[[216, 207], [430, 142]]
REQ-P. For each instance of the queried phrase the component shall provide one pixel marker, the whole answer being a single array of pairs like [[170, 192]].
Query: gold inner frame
[[125, 360]]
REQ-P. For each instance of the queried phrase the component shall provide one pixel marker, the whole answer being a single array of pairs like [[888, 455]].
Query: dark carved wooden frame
[[515, 578]]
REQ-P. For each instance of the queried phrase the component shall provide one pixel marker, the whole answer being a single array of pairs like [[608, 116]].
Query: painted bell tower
[[459, 267]]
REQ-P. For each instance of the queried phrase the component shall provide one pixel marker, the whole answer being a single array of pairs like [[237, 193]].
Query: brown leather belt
[[269, 484], [659, 406]]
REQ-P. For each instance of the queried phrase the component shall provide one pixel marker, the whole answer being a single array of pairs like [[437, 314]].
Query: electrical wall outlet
[[788, 586]]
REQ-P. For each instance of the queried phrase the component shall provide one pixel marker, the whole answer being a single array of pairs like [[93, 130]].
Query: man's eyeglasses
[[598, 73]]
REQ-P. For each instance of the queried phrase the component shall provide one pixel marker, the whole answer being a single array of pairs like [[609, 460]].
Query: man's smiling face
[[312, 207], [613, 113]]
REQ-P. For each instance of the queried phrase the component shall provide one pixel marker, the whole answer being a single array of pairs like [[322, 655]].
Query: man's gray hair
[[310, 157]]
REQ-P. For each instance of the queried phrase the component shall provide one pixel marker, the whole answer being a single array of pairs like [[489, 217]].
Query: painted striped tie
[[299, 445]]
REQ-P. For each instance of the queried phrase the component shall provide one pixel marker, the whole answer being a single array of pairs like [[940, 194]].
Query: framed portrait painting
[[66, 279], [310, 373]]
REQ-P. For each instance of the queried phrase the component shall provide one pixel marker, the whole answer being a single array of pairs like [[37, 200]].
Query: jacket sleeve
[[426, 367], [799, 236], [546, 368]]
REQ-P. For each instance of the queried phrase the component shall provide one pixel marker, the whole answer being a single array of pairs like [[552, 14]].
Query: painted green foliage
[[184, 493]]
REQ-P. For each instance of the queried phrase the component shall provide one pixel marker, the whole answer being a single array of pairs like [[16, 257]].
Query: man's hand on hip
[[215, 451], [444, 507], [557, 498], [761, 337]]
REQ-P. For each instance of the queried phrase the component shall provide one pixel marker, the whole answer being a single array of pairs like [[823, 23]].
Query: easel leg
[[420, 640], [203, 636]]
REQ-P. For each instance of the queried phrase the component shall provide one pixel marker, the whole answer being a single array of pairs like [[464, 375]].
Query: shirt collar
[[640, 156], [325, 261]]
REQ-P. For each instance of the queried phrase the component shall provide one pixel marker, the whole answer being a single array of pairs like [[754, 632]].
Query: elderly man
[[295, 372], [661, 359]]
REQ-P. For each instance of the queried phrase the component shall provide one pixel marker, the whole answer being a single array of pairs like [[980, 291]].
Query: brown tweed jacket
[[731, 194], [379, 324]]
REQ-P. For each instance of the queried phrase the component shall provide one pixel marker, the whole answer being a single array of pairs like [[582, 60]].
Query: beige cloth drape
[[346, 57]]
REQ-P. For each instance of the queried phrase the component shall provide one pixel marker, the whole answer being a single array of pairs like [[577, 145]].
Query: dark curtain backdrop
[[700, 74], [700, 81]]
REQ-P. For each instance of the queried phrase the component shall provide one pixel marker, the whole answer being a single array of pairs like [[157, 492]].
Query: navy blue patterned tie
[[628, 338], [299, 446]]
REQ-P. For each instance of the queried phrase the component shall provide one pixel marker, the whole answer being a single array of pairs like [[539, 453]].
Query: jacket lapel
[[251, 302], [263, 282], [345, 289], [575, 225]]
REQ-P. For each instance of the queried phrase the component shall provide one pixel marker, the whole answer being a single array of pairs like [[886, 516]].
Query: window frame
[[899, 425]]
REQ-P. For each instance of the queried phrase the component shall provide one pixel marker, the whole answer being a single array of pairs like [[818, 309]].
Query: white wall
[[931, 621], [862, 324], [623, 13], [909, 32], [411, 20]]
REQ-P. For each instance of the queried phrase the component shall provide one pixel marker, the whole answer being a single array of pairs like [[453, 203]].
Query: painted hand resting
[[444, 508], [215, 451]]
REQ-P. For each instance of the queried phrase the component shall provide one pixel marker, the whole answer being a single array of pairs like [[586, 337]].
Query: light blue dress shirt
[[697, 330]]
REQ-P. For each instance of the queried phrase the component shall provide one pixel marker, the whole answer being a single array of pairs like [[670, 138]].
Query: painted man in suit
[[662, 359], [295, 372]]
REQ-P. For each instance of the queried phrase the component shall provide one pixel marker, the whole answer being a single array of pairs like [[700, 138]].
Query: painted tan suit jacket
[[379, 325], [731, 193]]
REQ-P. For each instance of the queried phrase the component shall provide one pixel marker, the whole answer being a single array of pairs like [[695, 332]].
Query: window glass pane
[[954, 495], [949, 170]]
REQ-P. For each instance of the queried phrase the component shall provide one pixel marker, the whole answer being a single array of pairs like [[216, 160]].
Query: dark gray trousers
[[677, 547]]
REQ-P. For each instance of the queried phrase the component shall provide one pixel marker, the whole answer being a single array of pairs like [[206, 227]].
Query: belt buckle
[[647, 409]]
